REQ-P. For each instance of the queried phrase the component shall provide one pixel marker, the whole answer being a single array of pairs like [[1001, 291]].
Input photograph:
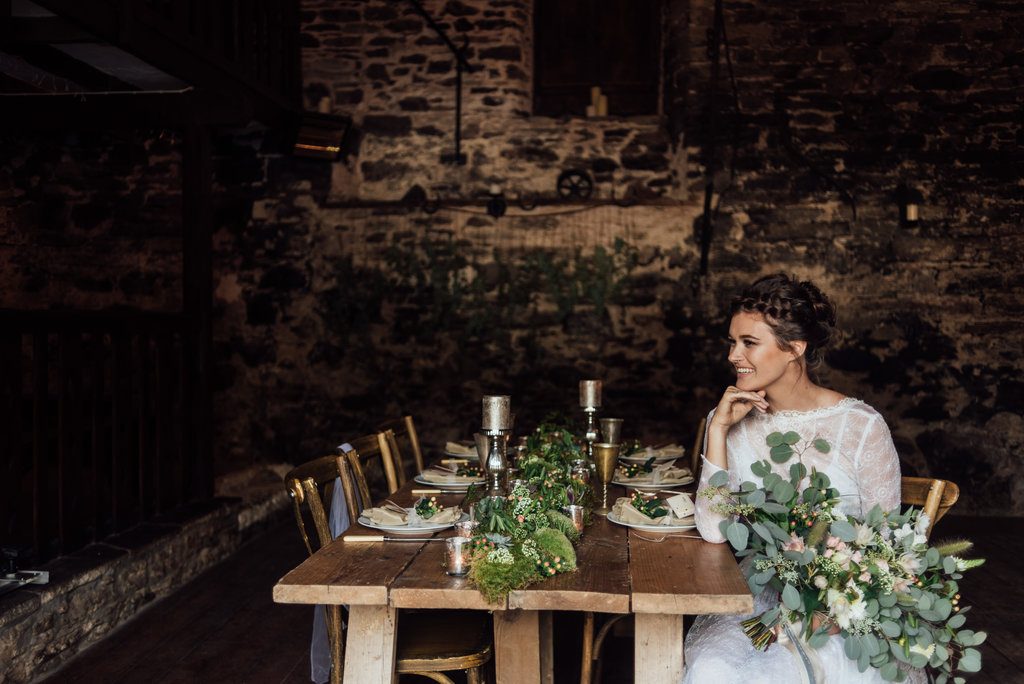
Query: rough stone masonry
[[338, 305]]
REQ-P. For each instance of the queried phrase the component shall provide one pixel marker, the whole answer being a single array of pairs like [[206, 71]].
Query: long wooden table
[[620, 571]]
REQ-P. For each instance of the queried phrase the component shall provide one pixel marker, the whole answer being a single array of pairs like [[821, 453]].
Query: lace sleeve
[[878, 468], [705, 518]]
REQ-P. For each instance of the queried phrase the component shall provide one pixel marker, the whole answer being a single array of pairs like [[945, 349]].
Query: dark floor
[[223, 627]]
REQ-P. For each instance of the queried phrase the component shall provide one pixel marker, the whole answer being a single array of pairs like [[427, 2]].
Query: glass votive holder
[[466, 529], [456, 556], [575, 514], [581, 470]]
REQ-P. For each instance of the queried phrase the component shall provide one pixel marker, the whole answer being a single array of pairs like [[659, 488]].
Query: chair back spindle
[[934, 496], [404, 429]]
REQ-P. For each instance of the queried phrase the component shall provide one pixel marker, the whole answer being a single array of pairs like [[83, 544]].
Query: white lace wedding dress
[[863, 465]]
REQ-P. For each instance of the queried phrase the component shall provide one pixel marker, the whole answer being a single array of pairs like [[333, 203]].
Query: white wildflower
[[820, 581], [864, 534], [926, 651]]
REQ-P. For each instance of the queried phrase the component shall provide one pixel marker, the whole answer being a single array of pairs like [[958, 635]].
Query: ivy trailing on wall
[[438, 286]]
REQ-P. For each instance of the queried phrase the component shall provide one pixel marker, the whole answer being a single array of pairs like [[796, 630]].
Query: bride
[[779, 331]]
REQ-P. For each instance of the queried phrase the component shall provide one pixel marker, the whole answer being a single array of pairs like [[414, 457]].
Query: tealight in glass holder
[[456, 556]]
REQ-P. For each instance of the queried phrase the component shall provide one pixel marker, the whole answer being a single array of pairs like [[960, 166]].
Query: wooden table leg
[[658, 649], [370, 644], [517, 646], [547, 647]]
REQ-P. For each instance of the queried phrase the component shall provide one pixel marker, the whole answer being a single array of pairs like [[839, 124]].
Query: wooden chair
[[404, 429], [365, 451], [935, 497], [310, 484], [698, 446], [430, 642]]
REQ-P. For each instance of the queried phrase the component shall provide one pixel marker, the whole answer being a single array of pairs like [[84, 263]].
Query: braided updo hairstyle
[[794, 310]]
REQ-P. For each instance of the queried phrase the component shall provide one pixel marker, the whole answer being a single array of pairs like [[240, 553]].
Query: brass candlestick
[[606, 456]]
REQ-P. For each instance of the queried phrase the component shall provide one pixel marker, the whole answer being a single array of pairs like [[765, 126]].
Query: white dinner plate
[[652, 528], [426, 527], [639, 458], [450, 486], [672, 484]]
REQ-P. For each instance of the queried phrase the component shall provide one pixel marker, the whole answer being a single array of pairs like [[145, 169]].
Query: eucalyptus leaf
[[781, 453], [763, 532], [791, 597], [783, 491], [819, 638], [719, 479], [843, 530], [890, 629], [948, 564], [774, 508], [756, 498], [852, 647], [943, 607], [797, 472], [760, 468], [887, 600], [821, 445], [774, 439], [864, 661], [791, 438], [738, 535], [970, 661]]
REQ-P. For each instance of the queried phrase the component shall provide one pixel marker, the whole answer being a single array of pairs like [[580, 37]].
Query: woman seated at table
[[779, 331]]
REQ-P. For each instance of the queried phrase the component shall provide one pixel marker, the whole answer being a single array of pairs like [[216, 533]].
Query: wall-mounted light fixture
[[496, 205], [909, 200], [320, 136]]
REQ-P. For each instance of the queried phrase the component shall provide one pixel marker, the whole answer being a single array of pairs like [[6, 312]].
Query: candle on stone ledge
[[590, 393], [497, 412]]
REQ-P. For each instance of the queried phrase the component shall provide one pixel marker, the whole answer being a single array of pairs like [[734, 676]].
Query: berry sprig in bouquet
[[877, 582]]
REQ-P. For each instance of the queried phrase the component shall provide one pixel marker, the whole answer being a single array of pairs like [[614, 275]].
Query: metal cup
[[611, 430], [456, 556], [481, 449], [605, 458], [466, 528], [575, 514]]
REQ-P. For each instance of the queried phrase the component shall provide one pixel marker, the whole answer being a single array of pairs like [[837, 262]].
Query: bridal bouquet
[[892, 597]]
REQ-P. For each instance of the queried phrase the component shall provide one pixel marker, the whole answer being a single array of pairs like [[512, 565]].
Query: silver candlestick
[[591, 434], [497, 427], [496, 463]]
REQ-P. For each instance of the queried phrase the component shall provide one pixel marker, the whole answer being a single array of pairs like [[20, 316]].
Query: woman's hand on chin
[[735, 404]]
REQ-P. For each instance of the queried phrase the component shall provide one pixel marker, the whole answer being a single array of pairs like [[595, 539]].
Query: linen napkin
[[385, 516], [459, 449], [431, 475], [448, 515], [626, 512], [667, 473], [668, 451]]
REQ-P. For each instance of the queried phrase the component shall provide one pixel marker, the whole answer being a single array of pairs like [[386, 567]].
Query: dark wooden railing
[[94, 426]]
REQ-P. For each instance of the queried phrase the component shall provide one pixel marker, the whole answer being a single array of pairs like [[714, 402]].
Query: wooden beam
[[43, 30], [51, 111]]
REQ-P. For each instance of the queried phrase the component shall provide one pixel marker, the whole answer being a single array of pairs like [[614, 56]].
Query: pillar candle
[[595, 95], [497, 413], [590, 393]]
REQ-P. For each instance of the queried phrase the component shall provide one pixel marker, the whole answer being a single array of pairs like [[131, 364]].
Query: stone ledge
[[96, 589]]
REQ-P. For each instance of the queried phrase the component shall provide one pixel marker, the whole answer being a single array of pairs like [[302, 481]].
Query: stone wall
[[93, 591], [338, 304]]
